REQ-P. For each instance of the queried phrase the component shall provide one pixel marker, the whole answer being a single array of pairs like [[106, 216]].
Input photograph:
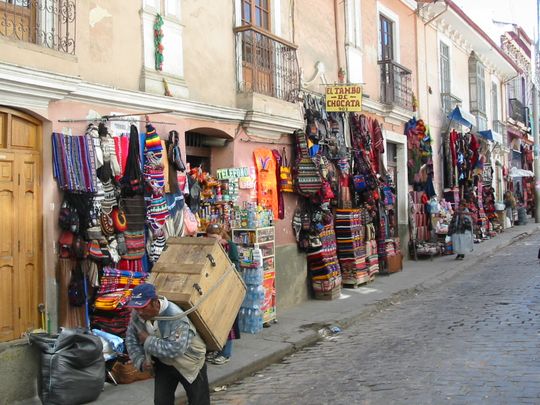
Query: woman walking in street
[[461, 231]]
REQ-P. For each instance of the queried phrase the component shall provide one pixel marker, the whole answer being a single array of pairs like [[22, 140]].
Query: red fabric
[[121, 146], [281, 204], [474, 146]]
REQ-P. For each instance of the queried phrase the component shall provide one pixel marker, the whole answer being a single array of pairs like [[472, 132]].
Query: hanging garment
[[267, 193], [131, 182], [281, 204]]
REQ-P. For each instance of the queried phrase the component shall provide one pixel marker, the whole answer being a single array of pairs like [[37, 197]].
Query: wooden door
[[19, 20], [21, 279]]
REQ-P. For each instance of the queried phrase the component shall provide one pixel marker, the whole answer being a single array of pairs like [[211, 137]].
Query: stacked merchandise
[[372, 254], [483, 225], [256, 251], [350, 246], [250, 317], [324, 267], [114, 292]]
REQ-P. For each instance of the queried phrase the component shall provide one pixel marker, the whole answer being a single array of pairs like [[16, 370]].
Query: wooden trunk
[[197, 271]]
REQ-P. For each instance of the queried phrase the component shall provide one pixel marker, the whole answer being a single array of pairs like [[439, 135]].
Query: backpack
[[173, 152], [307, 178]]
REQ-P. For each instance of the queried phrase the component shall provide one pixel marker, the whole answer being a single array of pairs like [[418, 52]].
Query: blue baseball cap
[[142, 295]]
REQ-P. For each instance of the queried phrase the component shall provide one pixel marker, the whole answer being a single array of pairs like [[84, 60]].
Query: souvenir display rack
[[256, 247]]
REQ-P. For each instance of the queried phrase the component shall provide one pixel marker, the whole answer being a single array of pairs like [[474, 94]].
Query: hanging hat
[[152, 142]]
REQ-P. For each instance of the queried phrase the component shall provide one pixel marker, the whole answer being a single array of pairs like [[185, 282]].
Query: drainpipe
[[337, 36], [536, 137]]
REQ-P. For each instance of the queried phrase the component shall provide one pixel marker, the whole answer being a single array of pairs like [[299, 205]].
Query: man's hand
[[142, 335], [148, 366]]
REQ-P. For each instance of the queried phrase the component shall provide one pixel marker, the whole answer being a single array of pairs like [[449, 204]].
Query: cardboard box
[[197, 272], [394, 263]]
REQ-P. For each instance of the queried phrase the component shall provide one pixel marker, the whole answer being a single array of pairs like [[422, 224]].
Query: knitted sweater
[[174, 342]]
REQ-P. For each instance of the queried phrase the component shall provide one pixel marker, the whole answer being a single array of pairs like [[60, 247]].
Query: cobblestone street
[[474, 340]]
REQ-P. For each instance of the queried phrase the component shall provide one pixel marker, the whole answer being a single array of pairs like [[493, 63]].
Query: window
[[257, 13], [477, 86], [41, 22], [387, 38], [445, 68], [354, 27]]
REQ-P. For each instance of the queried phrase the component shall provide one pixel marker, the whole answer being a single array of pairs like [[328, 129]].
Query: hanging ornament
[[158, 46]]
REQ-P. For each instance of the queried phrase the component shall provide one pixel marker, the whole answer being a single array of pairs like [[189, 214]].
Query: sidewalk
[[299, 326]]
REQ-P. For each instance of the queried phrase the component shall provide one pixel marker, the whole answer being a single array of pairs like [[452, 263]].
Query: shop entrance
[[391, 154], [21, 283]]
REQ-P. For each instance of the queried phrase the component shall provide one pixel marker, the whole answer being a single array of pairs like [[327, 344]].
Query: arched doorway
[[21, 282]]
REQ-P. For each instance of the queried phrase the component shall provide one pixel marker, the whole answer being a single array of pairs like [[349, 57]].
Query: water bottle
[[249, 321], [242, 319]]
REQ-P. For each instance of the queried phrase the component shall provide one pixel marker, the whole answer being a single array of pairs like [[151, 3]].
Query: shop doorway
[[21, 280], [392, 167], [198, 153]]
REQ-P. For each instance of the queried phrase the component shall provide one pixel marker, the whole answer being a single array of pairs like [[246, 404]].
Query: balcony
[[396, 84], [449, 102], [48, 23], [268, 65], [499, 127], [516, 110]]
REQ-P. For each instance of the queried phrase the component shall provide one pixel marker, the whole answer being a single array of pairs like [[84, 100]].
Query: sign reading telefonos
[[344, 98]]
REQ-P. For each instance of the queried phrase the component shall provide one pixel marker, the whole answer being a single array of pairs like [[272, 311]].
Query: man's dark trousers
[[167, 379]]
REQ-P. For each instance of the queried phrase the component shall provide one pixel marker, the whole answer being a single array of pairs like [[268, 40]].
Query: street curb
[[367, 311]]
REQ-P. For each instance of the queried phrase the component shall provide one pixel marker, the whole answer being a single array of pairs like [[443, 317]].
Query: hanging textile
[[74, 165], [267, 195], [131, 182], [281, 204]]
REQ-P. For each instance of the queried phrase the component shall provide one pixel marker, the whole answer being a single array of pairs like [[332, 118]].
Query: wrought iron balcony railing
[[267, 64], [449, 102], [396, 84], [516, 110], [499, 127], [48, 23]]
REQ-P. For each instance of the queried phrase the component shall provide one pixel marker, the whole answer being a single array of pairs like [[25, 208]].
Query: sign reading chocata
[[344, 98]]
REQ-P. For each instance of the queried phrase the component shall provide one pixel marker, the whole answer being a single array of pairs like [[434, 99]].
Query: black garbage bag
[[72, 367]]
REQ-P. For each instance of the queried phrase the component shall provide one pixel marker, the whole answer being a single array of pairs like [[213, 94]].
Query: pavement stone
[[299, 327]]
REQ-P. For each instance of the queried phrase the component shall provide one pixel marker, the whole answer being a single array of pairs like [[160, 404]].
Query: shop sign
[[344, 98], [232, 173]]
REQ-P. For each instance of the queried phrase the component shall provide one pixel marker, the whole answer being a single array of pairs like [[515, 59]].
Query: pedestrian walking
[[461, 231], [169, 346], [217, 231]]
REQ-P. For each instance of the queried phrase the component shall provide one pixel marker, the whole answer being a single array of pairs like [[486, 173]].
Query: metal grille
[[48, 23], [499, 127], [449, 102], [517, 111], [266, 64], [395, 84]]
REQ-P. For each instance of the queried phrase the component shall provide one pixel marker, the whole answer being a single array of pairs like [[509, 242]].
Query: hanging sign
[[344, 98], [232, 173]]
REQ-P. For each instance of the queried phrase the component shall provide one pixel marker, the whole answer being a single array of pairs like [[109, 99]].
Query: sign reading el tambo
[[344, 98]]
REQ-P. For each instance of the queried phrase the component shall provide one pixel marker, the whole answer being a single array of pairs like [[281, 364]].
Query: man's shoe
[[219, 360]]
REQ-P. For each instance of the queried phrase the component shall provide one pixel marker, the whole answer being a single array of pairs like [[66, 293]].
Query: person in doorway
[[461, 230], [159, 339], [510, 205], [217, 231]]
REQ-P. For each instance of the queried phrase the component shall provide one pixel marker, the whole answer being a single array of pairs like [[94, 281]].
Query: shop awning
[[463, 117], [515, 172], [486, 134]]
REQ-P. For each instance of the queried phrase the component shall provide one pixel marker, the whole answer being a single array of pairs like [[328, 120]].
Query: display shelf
[[262, 238]]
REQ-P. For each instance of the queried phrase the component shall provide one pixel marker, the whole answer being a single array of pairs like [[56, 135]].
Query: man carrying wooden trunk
[[158, 338]]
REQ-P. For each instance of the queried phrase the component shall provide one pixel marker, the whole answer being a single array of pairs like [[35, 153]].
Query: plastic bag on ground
[[72, 367]]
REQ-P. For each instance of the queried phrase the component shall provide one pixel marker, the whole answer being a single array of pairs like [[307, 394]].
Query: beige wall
[[316, 37], [209, 53], [370, 34], [107, 50]]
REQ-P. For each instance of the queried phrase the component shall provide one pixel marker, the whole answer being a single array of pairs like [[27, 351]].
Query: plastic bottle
[[242, 319]]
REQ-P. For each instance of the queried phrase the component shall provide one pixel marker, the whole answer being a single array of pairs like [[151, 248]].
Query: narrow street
[[474, 340]]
